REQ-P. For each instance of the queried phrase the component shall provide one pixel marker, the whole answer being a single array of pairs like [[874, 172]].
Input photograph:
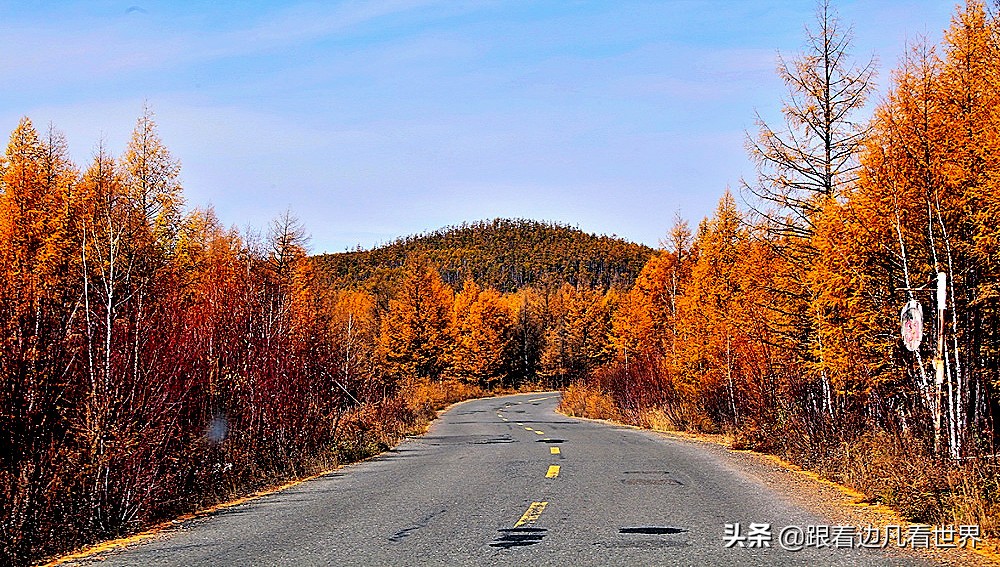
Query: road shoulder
[[839, 503]]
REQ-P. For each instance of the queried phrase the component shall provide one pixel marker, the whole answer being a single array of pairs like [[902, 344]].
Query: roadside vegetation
[[154, 362], [780, 326]]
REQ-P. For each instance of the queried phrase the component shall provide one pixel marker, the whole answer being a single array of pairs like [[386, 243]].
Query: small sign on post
[[911, 324]]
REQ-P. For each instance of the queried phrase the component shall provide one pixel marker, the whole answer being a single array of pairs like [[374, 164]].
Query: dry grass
[[902, 473], [656, 419], [974, 495], [583, 401], [425, 398]]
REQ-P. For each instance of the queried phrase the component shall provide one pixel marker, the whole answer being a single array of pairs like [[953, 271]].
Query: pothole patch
[[494, 440], [651, 530], [650, 478], [651, 482], [518, 537], [465, 439], [407, 531]]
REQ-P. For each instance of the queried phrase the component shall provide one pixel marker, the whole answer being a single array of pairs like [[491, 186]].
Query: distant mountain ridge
[[506, 254]]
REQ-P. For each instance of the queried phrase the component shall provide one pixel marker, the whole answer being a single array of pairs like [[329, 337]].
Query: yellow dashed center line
[[528, 429], [539, 432], [519, 423], [553, 471], [532, 514], [554, 450], [504, 418]]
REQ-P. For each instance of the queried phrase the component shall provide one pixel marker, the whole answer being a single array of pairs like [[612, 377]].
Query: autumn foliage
[[780, 326], [153, 361], [505, 254]]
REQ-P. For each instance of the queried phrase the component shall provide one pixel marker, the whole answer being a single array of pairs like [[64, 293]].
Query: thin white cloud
[[97, 46]]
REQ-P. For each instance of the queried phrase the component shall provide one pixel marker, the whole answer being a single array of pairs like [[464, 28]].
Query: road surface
[[507, 481]]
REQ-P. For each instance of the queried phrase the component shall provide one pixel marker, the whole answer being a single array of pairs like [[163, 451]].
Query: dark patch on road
[[518, 537], [550, 441], [466, 439], [651, 482], [650, 478], [651, 530], [405, 532], [402, 534], [495, 440]]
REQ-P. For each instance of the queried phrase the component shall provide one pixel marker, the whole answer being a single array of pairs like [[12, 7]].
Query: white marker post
[[942, 298]]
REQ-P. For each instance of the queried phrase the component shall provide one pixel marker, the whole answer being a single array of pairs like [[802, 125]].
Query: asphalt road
[[481, 488]]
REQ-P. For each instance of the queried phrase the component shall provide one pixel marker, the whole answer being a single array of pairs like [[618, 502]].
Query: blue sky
[[372, 120]]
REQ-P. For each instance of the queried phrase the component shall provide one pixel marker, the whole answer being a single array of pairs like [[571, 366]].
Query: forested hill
[[503, 253]]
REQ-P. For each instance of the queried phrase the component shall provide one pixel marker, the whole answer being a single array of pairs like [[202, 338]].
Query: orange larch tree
[[414, 341]]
